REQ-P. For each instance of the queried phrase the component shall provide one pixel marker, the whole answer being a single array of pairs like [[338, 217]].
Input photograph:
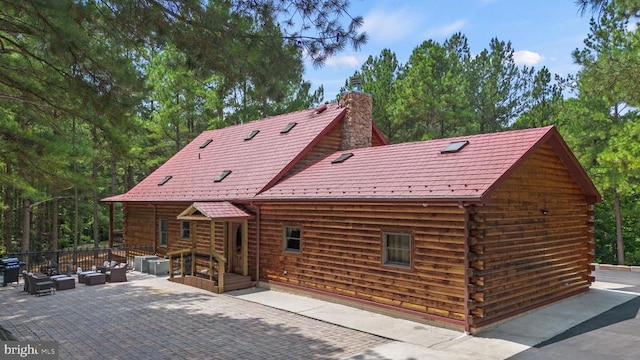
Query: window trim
[[165, 232], [385, 261], [182, 230], [285, 239]]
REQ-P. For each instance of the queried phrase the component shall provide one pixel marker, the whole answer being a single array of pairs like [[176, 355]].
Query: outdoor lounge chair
[[118, 274], [41, 285]]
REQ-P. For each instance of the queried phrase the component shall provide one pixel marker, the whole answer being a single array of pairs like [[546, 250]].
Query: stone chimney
[[357, 123]]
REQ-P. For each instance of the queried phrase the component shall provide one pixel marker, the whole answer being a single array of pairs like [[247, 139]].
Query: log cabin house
[[463, 232]]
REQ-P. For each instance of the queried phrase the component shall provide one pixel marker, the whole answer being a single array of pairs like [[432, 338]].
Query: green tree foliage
[[429, 96], [606, 84], [497, 87], [378, 75], [444, 91], [180, 105], [95, 94], [542, 99]]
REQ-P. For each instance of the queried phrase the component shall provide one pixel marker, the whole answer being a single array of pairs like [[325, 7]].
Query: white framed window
[[397, 249], [185, 230], [163, 232], [292, 239]]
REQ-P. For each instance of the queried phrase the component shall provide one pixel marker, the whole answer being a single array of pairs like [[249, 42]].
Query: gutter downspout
[[467, 325]]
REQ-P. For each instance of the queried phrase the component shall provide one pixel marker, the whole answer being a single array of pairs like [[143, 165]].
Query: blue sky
[[542, 32]]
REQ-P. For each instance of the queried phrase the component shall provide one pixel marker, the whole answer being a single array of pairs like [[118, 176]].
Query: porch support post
[[245, 247], [212, 249], [111, 216]]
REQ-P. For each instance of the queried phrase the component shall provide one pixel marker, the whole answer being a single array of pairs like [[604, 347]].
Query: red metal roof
[[253, 163], [420, 171]]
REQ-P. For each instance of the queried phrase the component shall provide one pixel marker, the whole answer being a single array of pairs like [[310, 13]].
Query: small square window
[[185, 230], [397, 249], [292, 239], [163, 232]]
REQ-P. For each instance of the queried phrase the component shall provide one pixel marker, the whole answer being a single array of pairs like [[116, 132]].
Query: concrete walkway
[[150, 317]]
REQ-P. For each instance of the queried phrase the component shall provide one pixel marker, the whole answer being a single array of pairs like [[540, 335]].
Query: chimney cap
[[356, 83]]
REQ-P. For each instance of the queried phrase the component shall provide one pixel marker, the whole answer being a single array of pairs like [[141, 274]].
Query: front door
[[234, 255]]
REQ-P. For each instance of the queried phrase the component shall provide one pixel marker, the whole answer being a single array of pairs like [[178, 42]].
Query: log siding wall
[[341, 253], [329, 144], [520, 257], [141, 228], [139, 225]]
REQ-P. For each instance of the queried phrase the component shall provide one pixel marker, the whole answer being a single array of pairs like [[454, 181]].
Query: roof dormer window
[[207, 142], [288, 127], [454, 146], [222, 175], [164, 181], [341, 158], [252, 135]]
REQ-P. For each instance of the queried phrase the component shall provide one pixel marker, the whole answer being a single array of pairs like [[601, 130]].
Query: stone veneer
[[358, 122]]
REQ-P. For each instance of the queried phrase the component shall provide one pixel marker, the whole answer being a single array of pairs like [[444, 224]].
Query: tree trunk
[[96, 225], [26, 225], [94, 194], [128, 179], [54, 221], [7, 214], [76, 224], [619, 238], [114, 176]]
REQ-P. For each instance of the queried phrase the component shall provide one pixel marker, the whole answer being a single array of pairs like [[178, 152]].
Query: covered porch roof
[[218, 210]]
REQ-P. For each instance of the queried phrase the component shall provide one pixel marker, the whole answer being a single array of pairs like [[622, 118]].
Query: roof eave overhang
[[387, 199]]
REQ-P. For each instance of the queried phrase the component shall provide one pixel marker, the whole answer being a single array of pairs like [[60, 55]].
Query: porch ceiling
[[218, 210]]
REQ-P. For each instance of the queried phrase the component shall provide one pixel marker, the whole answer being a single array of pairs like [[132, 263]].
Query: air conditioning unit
[[140, 263]]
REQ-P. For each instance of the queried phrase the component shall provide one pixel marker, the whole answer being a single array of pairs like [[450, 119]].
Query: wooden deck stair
[[231, 282], [236, 282]]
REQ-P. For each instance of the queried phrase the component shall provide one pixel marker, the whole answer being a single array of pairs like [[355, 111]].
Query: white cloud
[[632, 27], [446, 30], [526, 57], [390, 26], [346, 60]]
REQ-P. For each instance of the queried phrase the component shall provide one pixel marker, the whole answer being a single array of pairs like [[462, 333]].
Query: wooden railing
[[68, 260], [193, 254]]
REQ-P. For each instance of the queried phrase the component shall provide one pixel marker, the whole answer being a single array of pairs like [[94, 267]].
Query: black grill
[[11, 269]]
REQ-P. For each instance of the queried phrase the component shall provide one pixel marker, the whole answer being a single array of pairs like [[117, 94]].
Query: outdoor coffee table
[[81, 275], [64, 282], [94, 279]]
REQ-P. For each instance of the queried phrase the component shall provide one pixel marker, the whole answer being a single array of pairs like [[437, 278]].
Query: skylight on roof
[[288, 128], [341, 158], [204, 144], [222, 175], [252, 135], [454, 146], [164, 181]]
